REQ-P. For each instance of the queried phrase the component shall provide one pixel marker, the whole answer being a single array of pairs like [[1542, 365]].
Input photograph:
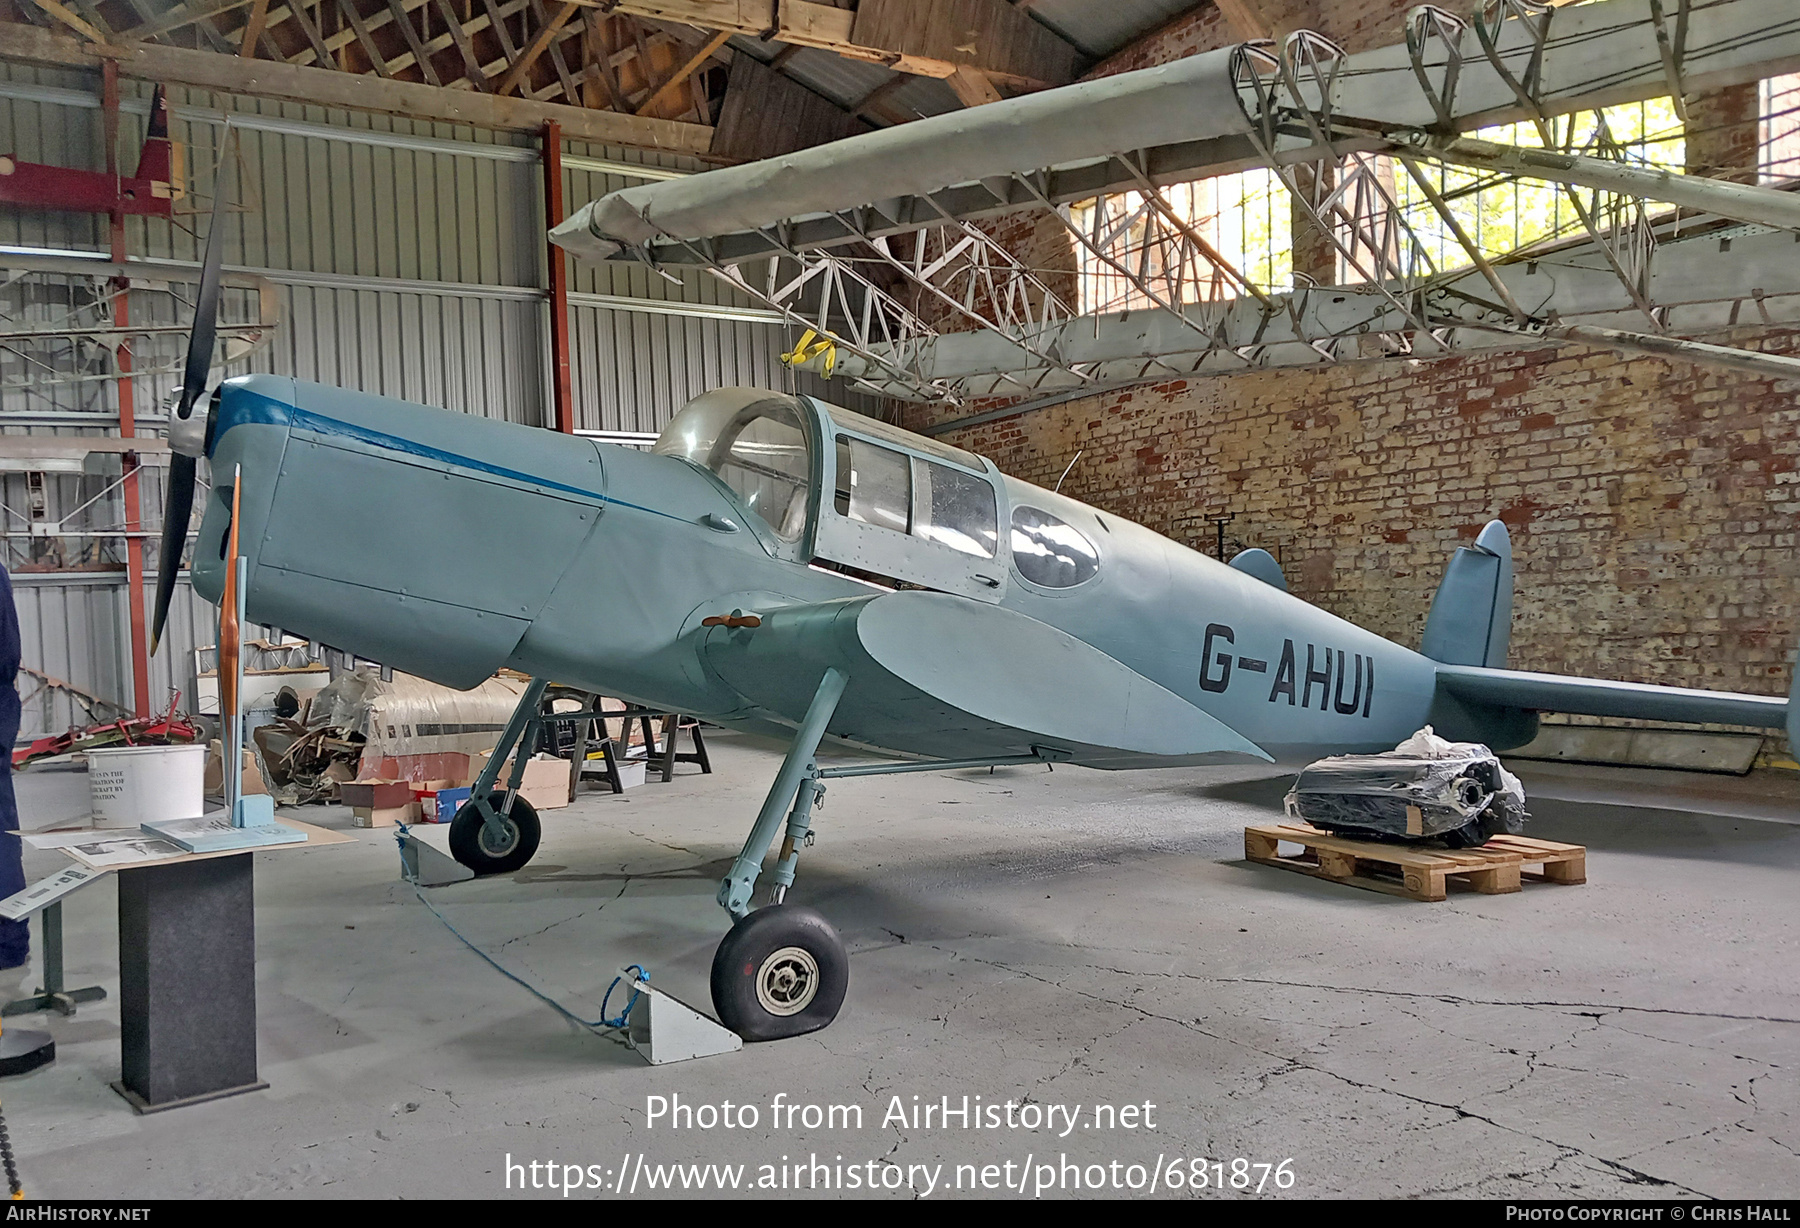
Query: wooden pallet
[[1496, 868]]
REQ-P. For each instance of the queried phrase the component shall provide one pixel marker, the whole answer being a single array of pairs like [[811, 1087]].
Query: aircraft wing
[[1593, 697], [942, 676]]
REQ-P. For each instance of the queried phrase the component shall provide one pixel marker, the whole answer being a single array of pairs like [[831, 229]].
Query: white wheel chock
[[664, 1029]]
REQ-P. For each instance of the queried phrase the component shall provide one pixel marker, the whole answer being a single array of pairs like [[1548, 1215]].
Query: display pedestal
[[187, 982]]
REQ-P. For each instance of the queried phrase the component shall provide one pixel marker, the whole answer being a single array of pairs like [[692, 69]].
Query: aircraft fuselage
[[449, 546]]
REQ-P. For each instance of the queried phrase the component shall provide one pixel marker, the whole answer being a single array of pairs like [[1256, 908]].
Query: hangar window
[[758, 449], [1050, 552], [955, 509], [874, 484]]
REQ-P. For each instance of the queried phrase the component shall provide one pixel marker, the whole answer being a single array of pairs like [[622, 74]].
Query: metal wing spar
[[942, 676]]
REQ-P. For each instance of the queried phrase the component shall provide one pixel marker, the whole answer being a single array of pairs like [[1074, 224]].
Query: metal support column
[[128, 491], [561, 387]]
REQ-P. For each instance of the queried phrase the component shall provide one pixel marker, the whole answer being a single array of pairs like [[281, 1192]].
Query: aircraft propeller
[[188, 431]]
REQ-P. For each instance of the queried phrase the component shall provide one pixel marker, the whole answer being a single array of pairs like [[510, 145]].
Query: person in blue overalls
[[15, 936]]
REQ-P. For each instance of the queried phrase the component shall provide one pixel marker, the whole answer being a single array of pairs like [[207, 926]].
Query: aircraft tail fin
[[1470, 621]]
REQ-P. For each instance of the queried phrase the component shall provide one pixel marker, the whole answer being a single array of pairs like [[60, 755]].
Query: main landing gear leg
[[497, 833], [782, 970]]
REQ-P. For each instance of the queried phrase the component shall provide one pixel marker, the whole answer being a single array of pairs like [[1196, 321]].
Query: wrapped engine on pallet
[[1426, 788]]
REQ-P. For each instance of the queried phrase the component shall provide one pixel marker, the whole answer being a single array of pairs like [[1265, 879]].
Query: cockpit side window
[[874, 484], [1049, 552], [954, 509], [764, 460]]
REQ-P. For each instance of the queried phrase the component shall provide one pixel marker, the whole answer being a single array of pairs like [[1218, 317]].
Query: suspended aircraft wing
[[950, 678], [1593, 697]]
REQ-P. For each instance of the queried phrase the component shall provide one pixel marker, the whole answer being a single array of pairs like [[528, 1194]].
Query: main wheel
[[780, 972], [471, 844]]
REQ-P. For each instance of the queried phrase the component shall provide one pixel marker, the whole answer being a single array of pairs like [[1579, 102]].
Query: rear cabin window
[[954, 509], [1050, 552], [879, 486]]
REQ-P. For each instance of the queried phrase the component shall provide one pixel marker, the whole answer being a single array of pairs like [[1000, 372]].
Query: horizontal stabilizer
[[1592, 697], [942, 676]]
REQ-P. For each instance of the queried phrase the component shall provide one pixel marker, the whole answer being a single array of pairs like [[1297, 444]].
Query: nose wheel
[[780, 972]]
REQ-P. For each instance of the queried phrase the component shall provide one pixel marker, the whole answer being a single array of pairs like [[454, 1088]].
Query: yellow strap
[[812, 345]]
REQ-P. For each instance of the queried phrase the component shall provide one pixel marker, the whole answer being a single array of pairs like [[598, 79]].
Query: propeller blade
[[176, 511], [206, 305], [182, 467]]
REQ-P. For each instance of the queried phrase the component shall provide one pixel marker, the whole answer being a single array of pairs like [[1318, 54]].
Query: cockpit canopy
[[893, 508], [757, 444]]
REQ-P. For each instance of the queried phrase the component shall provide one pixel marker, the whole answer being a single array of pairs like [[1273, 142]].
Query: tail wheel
[[488, 852], [780, 972]]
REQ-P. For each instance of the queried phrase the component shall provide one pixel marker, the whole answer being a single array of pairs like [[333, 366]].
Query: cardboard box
[[546, 782], [375, 794], [441, 805], [213, 783], [384, 816], [449, 765]]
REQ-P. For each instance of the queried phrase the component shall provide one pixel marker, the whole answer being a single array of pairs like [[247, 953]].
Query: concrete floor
[[1072, 938]]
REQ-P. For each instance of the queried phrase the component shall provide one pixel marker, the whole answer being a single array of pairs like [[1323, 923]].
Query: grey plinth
[[187, 982]]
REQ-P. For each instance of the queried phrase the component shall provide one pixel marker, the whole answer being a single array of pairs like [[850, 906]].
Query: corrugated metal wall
[[409, 260]]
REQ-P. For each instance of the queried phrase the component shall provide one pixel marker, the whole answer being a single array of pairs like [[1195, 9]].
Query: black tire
[[469, 845], [780, 972]]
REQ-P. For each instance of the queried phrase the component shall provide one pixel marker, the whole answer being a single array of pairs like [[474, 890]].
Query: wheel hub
[[788, 981], [503, 844]]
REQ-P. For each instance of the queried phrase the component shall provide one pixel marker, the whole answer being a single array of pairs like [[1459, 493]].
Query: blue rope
[[600, 1026], [643, 978]]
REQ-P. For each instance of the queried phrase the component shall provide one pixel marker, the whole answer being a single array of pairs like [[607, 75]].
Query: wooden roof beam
[[69, 18], [539, 41], [421, 57], [598, 84], [377, 60], [253, 29], [459, 34], [571, 90], [911, 36], [353, 91], [321, 52], [688, 67], [181, 15]]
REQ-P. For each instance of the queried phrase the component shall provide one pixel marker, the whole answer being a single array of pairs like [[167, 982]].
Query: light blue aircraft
[[784, 566]]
